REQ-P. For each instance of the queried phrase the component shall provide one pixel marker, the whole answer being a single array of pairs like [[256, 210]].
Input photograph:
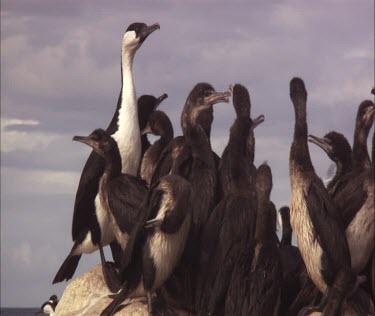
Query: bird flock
[[193, 231]]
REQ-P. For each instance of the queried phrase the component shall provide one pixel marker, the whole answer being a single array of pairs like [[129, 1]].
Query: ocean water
[[19, 311]]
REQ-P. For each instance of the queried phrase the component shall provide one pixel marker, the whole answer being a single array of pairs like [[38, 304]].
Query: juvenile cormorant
[[159, 125], [158, 245], [232, 222], [315, 220], [261, 271], [124, 128], [121, 195], [147, 104], [196, 163]]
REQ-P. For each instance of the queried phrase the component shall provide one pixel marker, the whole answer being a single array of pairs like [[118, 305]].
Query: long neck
[[300, 151], [199, 143], [343, 167], [113, 166], [286, 238], [127, 135], [361, 158]]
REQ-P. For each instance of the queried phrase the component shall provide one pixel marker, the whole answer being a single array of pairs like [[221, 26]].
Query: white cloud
[[12, 140], [22, 254]]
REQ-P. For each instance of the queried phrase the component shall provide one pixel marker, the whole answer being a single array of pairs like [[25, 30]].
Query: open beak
[[258, 120], [218, 97], [146, 130], [148, 30], [160, 100], [323, 143], [86, 140]]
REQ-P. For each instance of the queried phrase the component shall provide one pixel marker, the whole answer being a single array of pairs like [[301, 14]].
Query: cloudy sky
[[60, 77]]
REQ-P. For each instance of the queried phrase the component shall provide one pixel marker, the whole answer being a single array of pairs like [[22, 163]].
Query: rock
[[88, 295]]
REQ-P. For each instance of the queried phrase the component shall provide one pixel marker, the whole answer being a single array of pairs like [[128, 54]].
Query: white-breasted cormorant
[[160, 125], [124, 128], [49, 307], [314, 218]]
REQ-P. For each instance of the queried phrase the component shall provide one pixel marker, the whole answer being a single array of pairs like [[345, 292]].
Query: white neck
[[128, 135]]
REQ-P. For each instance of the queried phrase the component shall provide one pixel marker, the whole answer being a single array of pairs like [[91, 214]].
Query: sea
[[19, 311]]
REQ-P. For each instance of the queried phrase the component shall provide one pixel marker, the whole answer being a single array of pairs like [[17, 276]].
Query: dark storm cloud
[[60, 68]]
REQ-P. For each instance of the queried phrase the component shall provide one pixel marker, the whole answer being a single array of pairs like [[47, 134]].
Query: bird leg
[[110, 272], [149, 303]]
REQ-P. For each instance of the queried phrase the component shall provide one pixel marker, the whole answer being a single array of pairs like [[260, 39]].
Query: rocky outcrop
[[88, 295]]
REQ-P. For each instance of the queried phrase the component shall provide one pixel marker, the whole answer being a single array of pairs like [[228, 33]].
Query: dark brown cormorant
[[315, 220], [196, 163], [147, 104], [87, 228], [258, 277], [232, 222], [159, 125]]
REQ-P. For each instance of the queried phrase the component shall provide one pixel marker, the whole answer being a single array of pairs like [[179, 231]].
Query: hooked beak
[[323, 143], [218, 97], [160, 100], [258, 120], [86, 140], [148, 30], [146, 130]]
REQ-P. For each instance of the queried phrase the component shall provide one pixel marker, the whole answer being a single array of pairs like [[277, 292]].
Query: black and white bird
[[232, 222], [89, 226], [314, 218], [121, 195], [49, 307], [159, 125], [158, 245]]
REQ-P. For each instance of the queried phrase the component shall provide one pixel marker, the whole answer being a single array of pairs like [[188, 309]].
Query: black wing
[[350, 198], [165, 162], [84, 216], [329, 230], [125, 196]]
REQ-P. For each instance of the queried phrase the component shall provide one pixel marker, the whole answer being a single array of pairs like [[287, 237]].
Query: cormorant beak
[[156, 222], [218, 97], [146, 130], [39, 312], [148, 30], [86, 140], [323, 143], [257, 121], [369, 113], [160, 100]]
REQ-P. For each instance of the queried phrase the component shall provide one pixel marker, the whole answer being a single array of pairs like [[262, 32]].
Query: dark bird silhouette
[[314, 218], [159, 125], [258, 277], [195, 161], [147, 104], [124, 128], [232, 222]]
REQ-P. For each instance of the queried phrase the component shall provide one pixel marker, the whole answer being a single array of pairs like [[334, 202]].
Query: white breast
[[303, 229], [360, 233], [166, 251]]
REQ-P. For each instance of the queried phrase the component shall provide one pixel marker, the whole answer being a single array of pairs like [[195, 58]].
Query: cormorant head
[[146, 105], [158, 124], [53, 299], [101, 142], [365, 114], [298, 93], [334, 144], [285, 214], [241, 101], [136, 34], [264, 181], [198, 106]]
